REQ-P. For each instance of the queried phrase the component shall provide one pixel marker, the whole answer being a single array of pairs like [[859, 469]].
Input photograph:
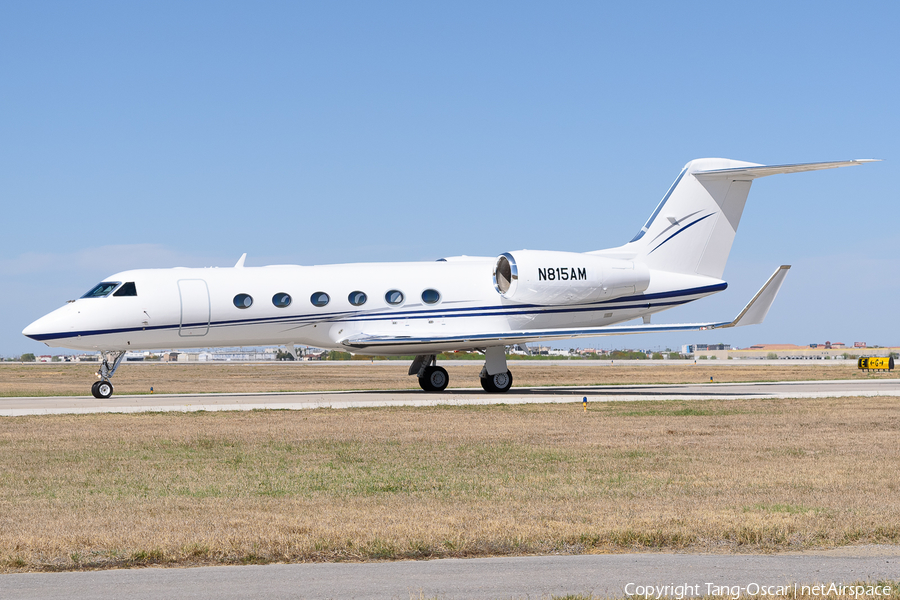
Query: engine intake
[[545, 277]]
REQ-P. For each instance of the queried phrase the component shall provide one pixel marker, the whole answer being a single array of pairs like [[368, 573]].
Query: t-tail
[[693, 227]]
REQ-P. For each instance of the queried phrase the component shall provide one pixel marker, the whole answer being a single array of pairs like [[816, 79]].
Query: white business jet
[[426, 308]]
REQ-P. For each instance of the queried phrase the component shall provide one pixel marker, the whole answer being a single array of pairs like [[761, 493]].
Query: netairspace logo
[[680, 591]]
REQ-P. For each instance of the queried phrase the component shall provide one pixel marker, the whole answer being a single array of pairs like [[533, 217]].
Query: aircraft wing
[[752, 314]]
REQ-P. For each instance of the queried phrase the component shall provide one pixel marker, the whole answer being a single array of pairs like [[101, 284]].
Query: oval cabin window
[[357, 298], [319, 299], [394, 297], [430, 296], [281, 300], [243, 300]]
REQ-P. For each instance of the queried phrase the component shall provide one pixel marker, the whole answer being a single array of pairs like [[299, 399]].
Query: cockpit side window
[[101, 290], [127, 289]]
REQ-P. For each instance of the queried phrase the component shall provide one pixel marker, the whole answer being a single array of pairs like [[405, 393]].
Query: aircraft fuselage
[[191, 308]]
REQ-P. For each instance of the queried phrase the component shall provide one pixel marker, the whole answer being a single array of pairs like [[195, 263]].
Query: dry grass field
[[116, 490], [74, 379]]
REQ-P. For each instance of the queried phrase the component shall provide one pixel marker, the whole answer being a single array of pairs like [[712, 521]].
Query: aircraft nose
[[37, 329], [51, 325]]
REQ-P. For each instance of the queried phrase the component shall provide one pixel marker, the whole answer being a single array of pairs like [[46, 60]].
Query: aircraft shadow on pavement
[[565, 391]]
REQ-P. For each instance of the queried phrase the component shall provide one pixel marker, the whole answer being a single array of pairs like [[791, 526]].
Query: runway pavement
[[365, 399], [480, 578]]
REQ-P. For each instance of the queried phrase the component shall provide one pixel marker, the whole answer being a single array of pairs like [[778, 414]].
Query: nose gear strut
[[104, 387]]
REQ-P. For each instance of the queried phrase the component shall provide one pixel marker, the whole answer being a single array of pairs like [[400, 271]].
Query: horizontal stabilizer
[[753, 314], [748, 173]]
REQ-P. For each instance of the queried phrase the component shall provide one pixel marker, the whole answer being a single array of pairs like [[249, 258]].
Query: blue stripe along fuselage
[[639, 301]]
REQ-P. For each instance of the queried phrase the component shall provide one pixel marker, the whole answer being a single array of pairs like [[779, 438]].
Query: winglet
[[240, 263], [757, 309]]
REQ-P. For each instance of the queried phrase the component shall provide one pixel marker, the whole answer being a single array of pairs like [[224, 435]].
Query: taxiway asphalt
[[20, 406]]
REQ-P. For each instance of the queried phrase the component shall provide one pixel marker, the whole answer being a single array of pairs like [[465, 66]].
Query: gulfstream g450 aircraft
[[425, 308]]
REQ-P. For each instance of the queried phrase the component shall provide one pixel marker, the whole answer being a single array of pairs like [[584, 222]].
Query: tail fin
[[693, 227]]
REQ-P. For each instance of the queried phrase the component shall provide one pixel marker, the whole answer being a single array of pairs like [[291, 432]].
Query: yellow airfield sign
[[876, 363]]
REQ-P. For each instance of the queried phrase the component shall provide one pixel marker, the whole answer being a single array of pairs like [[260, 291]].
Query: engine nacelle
[[544, 277]]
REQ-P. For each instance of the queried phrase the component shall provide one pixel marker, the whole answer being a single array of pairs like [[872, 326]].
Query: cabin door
[[194, 307]]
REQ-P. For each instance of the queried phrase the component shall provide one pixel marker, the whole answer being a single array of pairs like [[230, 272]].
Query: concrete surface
[[356, 399]]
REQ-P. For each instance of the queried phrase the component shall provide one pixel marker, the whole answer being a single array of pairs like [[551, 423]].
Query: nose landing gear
[[104, 387]]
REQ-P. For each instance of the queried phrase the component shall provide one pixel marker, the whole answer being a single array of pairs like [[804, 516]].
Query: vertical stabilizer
[[693, 227]]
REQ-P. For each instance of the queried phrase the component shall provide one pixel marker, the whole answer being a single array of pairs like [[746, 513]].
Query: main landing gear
[[495, 376], [104, 387], [497, 384], [432, 378]]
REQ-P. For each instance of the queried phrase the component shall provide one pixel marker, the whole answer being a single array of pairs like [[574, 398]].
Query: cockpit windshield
[[101, 290]]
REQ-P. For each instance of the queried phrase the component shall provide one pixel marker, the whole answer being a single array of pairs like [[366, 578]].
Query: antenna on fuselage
[[240, 263]]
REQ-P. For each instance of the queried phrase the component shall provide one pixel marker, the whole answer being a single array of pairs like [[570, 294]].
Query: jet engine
[[543, 277]]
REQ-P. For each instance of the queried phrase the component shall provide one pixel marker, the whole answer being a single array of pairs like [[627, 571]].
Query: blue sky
[[184, 134]]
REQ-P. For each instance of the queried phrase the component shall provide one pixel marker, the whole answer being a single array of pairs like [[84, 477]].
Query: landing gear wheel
[[434, 379], [497, 384], [102, 389]]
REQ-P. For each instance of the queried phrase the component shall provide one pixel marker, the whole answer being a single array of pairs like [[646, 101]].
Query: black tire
[[102, 389], [434, 379], [497, 384], [424, 384]]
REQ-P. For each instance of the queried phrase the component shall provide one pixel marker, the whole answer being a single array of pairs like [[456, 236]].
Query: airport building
[[815, 351], [223, 356], [690, 349]]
